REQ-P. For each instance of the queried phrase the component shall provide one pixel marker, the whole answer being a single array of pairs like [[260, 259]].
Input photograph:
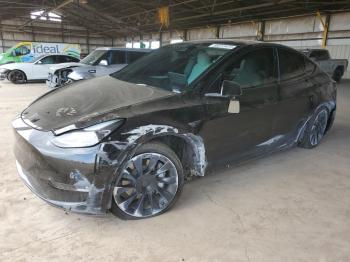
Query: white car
[[102, 61], [38, 69]]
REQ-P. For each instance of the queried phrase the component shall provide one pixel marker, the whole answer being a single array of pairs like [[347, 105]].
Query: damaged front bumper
[[63, 177], [52, 80], [59, 78], [82, 179], [3, 74]]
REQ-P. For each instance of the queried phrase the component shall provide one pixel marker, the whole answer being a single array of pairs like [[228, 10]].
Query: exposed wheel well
[[340, 67], [183, 149], [331, 119]]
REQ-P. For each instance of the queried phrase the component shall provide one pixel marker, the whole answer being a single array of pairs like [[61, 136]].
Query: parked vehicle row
[[59, 69], [100, 62], [126, 142]]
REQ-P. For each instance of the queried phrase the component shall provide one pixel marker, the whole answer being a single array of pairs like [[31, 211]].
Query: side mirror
[[13, 53], [39, 62], [103, 62], [230, 89]]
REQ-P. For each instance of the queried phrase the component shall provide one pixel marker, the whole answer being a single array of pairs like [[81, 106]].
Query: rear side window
[[291, 64], [133, 56], [72, 59], [309, 66], [66, 59], [117, 57], [254, 69]]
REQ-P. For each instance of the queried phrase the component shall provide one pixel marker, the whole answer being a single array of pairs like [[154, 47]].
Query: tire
[[337, 74], [17, 77], [315, 129], [155, 191]]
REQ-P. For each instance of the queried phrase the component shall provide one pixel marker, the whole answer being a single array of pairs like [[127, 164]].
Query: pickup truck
[[334, 67]]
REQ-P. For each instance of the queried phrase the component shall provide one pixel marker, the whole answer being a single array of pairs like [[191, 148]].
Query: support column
[[88, 41], [325, 25], [262, 31], [2, 40], [185, 35], [217, 32], [33, 34], [160, 39], [62, 32]]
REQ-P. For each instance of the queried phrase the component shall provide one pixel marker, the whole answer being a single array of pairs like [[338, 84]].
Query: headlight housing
[[87, 137], [75, 76]]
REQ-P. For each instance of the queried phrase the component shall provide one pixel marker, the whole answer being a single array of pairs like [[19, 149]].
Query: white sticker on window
[[223, 46]]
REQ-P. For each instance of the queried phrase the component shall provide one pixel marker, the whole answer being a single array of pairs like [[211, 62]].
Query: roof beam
[[64, 3], [234, 10], [118, 21]]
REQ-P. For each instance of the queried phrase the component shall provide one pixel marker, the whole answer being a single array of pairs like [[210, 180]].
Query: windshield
[[94, 57], [174, 67]]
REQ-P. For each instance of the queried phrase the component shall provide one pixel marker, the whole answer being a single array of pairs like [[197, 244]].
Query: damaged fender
[[110, 164]]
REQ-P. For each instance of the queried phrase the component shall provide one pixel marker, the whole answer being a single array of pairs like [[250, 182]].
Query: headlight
[[3, 70], [86, 137], [75, 76]]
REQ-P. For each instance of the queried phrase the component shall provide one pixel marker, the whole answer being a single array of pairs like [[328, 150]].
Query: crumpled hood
[[77, 104], [65, 65]]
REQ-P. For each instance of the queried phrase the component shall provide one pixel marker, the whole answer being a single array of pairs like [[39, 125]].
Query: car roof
[[125, 49], [42, 56], [237, 42], [224, 41], [313, 49]]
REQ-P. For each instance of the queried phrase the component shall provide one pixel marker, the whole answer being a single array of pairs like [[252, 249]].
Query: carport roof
[[133, 17]]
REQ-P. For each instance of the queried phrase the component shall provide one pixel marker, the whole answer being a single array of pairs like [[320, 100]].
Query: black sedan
[[128, 141]]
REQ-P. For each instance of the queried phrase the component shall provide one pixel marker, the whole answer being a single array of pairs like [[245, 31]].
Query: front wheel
[[17, 77], [315, 129], [149, 184]]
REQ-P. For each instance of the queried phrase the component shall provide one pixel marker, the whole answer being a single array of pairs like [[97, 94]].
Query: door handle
[[92, 71]]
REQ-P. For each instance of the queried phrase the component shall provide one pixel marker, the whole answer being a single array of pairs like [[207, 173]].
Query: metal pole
[[2, 39]]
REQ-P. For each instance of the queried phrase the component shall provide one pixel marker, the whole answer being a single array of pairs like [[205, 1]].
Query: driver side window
[[254, 69]]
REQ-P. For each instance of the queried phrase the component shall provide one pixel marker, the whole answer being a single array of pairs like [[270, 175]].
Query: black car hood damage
[[79, 104]]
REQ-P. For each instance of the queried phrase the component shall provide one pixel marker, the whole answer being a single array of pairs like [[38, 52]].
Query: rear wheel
[[337, 74], [17, 77], [149, 184], [315, 129]]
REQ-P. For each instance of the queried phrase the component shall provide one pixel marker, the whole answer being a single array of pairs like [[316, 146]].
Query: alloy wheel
[[319, 127], [147, 185], [17, 77]]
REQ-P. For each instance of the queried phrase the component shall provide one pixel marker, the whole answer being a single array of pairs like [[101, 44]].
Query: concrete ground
[[290, 206]]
